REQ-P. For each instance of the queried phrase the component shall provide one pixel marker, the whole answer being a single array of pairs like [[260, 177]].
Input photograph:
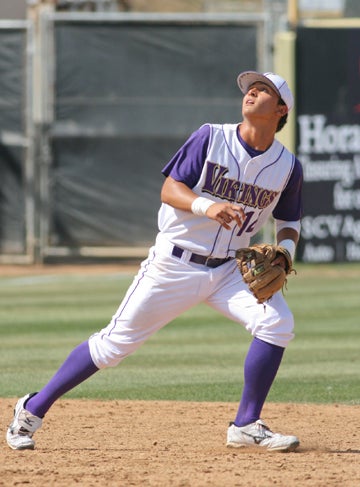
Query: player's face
[[261, 99]]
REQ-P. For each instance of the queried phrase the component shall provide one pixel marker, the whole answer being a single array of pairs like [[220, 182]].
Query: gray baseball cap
[[276, 82]]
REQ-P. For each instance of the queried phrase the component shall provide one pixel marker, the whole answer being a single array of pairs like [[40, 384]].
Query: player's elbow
[[164, 195]]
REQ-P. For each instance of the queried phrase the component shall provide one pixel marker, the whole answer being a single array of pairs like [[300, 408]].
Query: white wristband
[[200, 206], [289, 245]]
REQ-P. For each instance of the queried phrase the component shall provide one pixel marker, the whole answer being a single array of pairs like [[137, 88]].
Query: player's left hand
[[226, 213], [258, 267], [281, 261]]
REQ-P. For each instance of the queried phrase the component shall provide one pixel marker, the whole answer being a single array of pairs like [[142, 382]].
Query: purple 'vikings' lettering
[[228, 189], [266, 198], [214, 175], [218, 185], [248, 194], [255, 196]]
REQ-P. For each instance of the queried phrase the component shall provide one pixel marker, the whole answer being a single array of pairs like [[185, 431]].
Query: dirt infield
[[181, 444]]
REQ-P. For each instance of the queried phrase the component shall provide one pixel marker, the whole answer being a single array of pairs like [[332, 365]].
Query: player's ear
[[282, 110]]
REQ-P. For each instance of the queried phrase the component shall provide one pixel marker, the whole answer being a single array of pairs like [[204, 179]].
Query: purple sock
[[261, 365], [76, 368]]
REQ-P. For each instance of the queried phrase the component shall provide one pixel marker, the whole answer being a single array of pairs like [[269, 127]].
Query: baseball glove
[[263, 279]]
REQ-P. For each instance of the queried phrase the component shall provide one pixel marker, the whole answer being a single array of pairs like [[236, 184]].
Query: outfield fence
[[93, 106]]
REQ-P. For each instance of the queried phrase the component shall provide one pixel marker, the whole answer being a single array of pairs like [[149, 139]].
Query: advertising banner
[[328, 142]]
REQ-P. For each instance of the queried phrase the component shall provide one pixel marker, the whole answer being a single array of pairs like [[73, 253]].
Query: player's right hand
[[226, 213]]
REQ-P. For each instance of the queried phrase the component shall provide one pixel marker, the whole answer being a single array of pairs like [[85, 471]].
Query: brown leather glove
[[263, 278]]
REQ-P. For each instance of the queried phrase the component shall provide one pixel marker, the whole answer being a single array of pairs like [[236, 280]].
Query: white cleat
[[23, 426], [258, 434]]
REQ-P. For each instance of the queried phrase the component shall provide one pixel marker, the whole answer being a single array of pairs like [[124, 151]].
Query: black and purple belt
[[200, 259]]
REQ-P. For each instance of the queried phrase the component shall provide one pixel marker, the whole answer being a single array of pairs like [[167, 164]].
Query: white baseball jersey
[[230, 173]]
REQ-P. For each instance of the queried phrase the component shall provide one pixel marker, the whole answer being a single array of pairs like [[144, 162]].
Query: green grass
[[197, 357]]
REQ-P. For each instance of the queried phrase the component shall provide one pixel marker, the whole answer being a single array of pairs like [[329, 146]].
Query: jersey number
[[247, 225]]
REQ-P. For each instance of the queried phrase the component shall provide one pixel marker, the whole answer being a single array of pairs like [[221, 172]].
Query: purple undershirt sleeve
[[187, 164], [290, 206]]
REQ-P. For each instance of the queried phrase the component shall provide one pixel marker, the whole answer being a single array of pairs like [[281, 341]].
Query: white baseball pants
[[166, 286]]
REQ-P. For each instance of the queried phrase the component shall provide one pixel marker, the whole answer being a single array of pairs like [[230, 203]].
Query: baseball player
[[220, 189]]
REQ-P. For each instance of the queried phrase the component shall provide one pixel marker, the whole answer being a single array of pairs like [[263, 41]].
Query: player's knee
[[284, 330], [277, 331], [105, 354]]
